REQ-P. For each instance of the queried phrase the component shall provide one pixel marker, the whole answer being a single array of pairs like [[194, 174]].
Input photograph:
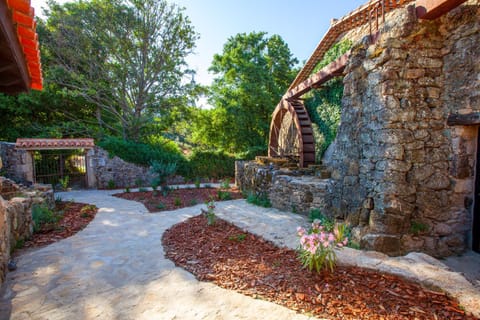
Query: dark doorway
[[476, 208], [61, 169]]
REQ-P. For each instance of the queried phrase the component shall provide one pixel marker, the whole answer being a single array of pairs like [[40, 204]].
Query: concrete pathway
[[115, 269]]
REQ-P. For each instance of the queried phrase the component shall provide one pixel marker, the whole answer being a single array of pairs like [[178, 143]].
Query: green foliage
[[111, 184], [127, 190], [163, 150], [324, 105], [193, 202], [138, 66], [138, 182], [210, 213], [155, 183], [252, 152], [238, 237], [333, 54], [327, 222], [142, 189], [252, 73], [177, 202], [197, 183], [19, 244], [160, 206], [64, 182], [261, 200], [224, 195], [417, 227], [225, 184], [163, 170], [42, 215], [212, 164]]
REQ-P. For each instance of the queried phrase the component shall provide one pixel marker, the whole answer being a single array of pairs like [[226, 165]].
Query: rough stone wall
[[17, 164], [402, 177], [122, 173], [16, 216], [286, 189]]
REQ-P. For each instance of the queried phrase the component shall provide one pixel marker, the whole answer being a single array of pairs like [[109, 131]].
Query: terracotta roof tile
[[46, 144], [23, 18]]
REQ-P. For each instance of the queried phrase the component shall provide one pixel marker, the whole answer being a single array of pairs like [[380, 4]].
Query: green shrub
[[177, 202], [225, 184], [160, 206], [193, 202], [224, 195], [111, 184], [158, 149], [142, 189], [417, 227], [212, 164], [327, 222], [138, 182], [42, 215], [197, 182], [252, 152], [163, 170], [259, 200]]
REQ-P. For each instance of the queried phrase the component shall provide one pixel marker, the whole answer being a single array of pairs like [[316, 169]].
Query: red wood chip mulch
[[176, 199], [237, 260], [73, 220]]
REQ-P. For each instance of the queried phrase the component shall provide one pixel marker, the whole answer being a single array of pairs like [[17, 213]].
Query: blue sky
[[300, 23]]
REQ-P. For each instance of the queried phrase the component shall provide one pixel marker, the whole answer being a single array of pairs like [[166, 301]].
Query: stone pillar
[[91, 179], [29, 167]]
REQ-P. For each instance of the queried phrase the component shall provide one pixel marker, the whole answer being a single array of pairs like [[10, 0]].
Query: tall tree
[[252, 74], [126, 57]]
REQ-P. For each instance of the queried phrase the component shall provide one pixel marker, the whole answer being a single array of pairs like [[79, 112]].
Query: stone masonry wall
[[286, 189], [16, 215], [402, 178], [122, 173], [17, 164]]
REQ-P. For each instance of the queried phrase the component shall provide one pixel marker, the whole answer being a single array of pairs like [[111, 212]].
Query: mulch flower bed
[[76, 216], [235, 259], [155, 201]]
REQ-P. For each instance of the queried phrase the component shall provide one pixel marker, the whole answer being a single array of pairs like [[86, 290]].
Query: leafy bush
[[212, 164], [111, 184], [252, 152], [177, 202], [42, 215], [197, 182], [160, 149], [163, 170], [327, 222], [224, 195], [259, 200]]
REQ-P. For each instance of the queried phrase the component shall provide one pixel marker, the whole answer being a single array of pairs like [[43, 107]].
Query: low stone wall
[[16, 216], [287, 190]]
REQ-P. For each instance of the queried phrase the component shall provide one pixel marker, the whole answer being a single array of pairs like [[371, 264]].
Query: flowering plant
[[316, 250], [210, 213]]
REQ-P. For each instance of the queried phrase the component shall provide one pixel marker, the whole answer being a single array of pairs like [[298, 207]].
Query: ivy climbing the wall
[[324, 105]]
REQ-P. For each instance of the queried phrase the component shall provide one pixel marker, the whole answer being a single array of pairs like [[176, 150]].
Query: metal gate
[[62, 170]]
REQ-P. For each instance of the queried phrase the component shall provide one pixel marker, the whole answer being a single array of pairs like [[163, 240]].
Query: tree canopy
[[252, 74], [125, 57]]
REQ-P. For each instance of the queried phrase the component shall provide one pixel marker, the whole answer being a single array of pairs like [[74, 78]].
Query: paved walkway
[[115, 269]]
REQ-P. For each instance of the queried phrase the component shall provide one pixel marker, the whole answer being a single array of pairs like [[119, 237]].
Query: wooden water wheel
[[291, 133]]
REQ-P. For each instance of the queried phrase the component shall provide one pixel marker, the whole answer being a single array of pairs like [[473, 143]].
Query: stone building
[[404, 163]]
